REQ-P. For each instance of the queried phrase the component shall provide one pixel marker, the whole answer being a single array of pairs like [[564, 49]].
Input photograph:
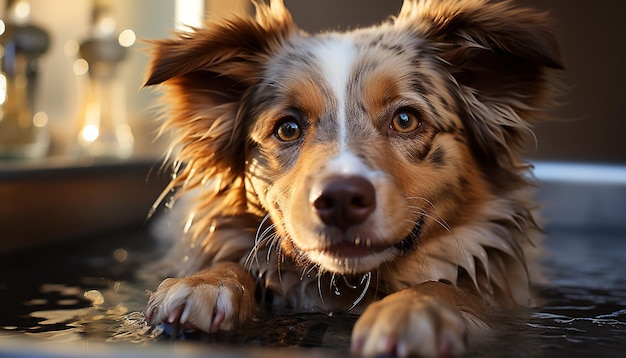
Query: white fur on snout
[[337, 54], [347, 163], [344, 164]]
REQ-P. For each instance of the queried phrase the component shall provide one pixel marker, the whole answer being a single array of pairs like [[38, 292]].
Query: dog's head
[[361, 146]]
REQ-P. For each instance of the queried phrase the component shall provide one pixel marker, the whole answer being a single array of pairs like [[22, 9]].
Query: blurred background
[[92, 65], [72, 106], [591, 36]]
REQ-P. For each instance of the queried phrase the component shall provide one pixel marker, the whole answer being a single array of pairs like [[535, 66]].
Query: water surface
[[86, 298]]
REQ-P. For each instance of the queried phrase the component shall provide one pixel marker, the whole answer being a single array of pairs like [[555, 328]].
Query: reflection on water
[[91, 292], [581, 320]]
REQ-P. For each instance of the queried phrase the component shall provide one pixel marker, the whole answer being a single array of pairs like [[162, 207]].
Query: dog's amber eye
[[288, 130], [405, 121]]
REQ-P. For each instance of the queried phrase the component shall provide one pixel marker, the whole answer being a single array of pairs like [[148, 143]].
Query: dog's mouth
[[358, 257], [352, 250]]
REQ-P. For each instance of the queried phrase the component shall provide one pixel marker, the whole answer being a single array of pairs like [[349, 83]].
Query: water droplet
[[94, 296], [120, 255]]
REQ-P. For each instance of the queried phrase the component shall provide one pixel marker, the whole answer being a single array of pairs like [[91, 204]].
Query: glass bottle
[[22, 128], [103, 129]]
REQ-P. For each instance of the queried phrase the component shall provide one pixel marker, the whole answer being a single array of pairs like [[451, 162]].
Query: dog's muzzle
[[348, 244]]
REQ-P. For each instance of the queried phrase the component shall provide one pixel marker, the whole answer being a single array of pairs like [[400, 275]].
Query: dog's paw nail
[[184, 316], [217, 320], [175, 315]]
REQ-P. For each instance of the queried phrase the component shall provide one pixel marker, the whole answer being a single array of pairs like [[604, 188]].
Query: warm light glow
[[188, 13], [81, 67], [127, 38], [40, 119], [105, 27], [3, 27], [22, 11], [90, 133], [91, 130]]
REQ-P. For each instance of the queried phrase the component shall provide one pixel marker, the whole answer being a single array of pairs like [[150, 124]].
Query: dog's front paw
[[407, 323], [216, 299]]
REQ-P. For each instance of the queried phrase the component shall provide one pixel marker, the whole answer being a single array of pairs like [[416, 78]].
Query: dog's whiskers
[[428, 201], [426, 214], [273, 243], [368, 280], [307, 273], [422, 211], [319, 287], [258, 234], [279, 271], [332, 286], [350, 285], [261, 239]]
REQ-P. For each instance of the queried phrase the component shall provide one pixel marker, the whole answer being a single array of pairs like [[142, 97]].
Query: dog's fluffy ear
[[206, 74], [501, 58]]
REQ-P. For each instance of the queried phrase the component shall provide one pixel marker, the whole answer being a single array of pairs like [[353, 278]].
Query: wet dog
[[375, 171]]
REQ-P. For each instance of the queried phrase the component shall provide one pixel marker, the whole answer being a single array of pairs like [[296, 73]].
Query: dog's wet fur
[[375, 171]]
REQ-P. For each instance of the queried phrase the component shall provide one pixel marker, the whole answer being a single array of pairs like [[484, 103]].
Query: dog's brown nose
[[345, 201]]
